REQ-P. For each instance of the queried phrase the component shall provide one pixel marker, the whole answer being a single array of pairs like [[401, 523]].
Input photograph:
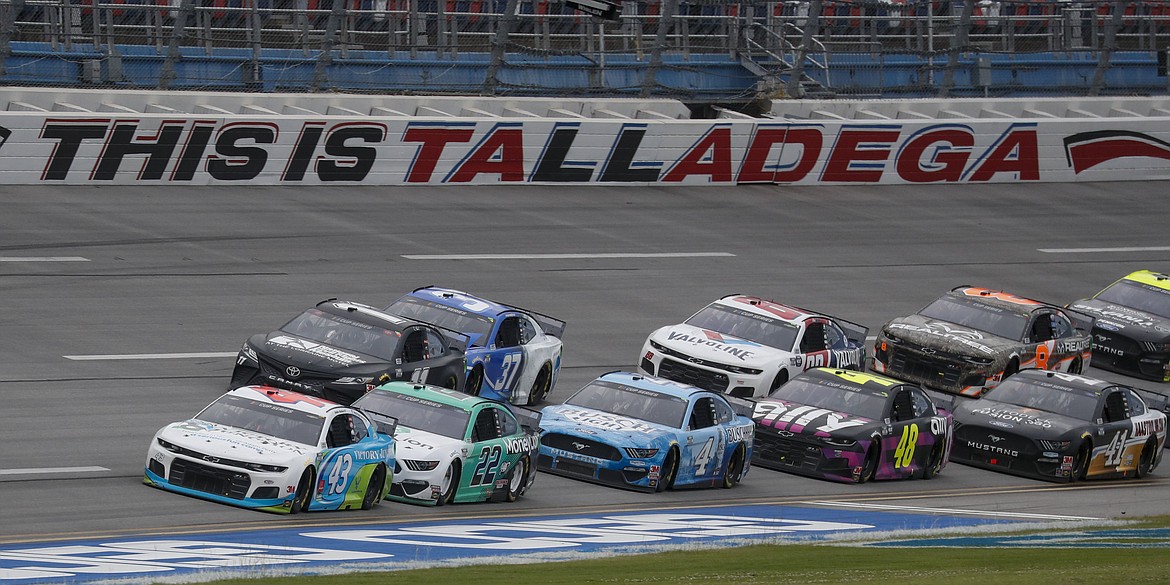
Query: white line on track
[[151, 356], [43, 259], [565, 256], [42, 470], [953, 511], [1098, 250]]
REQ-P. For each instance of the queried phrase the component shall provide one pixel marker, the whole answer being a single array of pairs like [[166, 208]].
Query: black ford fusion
[[339, 350], [1058, 426], [851, 427], [1131, 334]]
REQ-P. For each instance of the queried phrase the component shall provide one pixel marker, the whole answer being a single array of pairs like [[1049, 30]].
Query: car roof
[[286, 398], [1004, 300], [767, 308], [652, 383], [365, 314], [447, 297], [445, 396], [1151, 278], [1065, 381], [853, 379]]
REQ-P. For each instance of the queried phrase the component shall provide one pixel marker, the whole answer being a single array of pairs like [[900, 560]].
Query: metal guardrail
[[826, 43]]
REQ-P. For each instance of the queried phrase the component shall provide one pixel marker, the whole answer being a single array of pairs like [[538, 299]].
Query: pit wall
[[78, 138]]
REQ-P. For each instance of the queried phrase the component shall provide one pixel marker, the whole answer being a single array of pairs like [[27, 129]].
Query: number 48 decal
[[904, 455]]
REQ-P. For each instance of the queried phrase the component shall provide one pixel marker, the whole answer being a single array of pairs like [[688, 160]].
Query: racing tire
[[935, 463], [304, 494], [541, 386], [734, 469], [450, 484], [474, 381], [374, 489], [1147, 460], [869, 467], [780, 380], [451, 382], [669, 471], [518, 479], [1080, 470]]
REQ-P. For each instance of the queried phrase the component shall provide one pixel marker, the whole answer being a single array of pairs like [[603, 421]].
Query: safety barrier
[[77, 137]]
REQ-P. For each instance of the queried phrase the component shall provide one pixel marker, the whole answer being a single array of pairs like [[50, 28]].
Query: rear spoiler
[[529, 418], [1082, 321], [385, 424], [741, 406], [1155, 400], [550, 325]]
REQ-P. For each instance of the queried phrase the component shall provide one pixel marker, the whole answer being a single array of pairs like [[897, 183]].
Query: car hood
[[224, 442], [1011, 418], [776, 416], [937, 334], [566, 418], [1137, 325], [714, 346], [314, 355], [421, 445]]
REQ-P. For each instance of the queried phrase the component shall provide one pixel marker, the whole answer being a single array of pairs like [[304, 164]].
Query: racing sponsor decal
[[1145, 428], [1115, 313], [1086, 150], [320, 350], [525, 444], [794, 418], [605, 420], [964, 337], [987, 293], [740, 434], [712, 339], [1013, 417], [991, 447]]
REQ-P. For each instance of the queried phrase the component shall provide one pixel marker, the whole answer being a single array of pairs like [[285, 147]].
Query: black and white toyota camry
[[1131, 333], [339, 350], [1061, 427]]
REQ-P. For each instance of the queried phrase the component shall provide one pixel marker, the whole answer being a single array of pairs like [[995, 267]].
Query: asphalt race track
[[149, 291]]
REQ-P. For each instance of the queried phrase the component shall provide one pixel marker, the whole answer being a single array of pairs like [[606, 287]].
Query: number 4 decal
[[704, 457]]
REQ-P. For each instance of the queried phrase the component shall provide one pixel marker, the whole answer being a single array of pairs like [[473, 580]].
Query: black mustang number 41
[[1061, 427]]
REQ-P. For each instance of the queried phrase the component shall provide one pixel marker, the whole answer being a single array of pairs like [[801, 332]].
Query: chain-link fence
[[691, 50]]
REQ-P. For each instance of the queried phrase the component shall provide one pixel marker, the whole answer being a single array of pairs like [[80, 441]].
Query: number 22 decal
[[485, 470]]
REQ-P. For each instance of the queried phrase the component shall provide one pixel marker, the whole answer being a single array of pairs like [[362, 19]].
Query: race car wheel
[[869, 467], [935, 463], [450, 484], [451, 382], [517, 480], [474, 381], [780, 380], [541, 385], [734, 468], [669, 471], [1080, 470], [304, 493], [374, 488], [1147, 460]]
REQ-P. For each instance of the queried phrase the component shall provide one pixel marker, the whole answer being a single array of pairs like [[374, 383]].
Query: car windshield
[[344, 333], [439, 314], [417, 413], [1147, 299], [266, 418], [746, 325], [1049, 398], [980, 316], [631, 402], [857, 402]]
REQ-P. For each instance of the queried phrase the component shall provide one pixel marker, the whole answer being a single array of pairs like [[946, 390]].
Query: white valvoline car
[[275, 450], [747, 346]]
